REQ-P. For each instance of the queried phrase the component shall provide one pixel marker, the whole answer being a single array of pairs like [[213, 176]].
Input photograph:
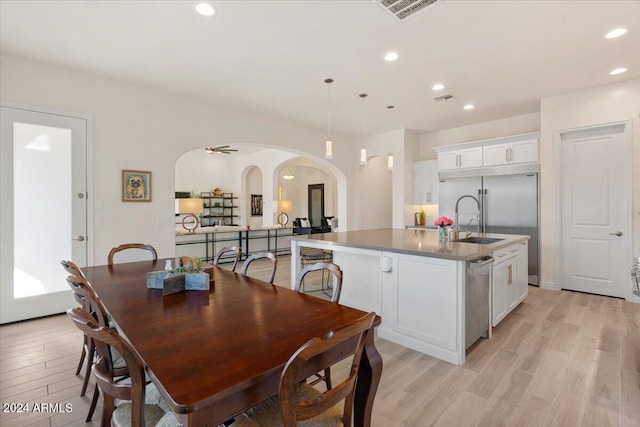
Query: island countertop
[[414, 242]]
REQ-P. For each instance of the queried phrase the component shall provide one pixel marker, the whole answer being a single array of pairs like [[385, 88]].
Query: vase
[[443, 233]]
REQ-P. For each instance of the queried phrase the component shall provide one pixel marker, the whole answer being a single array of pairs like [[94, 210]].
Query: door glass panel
[[42, 208]]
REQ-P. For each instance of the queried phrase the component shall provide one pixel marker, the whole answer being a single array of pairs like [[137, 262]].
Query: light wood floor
[[560, 359]]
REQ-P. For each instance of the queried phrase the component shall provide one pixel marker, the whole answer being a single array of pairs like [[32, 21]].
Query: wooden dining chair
[[227, 249], [298, 401], [127, 246], [91, 303], [332, 270], [324, 267], [138, 404], [87, 345], [261, 255]]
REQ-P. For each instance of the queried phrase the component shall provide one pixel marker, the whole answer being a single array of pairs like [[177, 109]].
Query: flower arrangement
[[443, 221]]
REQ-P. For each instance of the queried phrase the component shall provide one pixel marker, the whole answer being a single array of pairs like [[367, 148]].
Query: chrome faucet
[[468, 233], [457, 225]]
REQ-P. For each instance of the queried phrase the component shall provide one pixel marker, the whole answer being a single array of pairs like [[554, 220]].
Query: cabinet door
[[448, 160], [471, 157], [434, 180], [512, 283], [523, 271], [499, 292], [420, 177], [496, 154], [524, 151]]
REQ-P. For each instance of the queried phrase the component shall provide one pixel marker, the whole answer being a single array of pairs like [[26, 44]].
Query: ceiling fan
[[219, 149]]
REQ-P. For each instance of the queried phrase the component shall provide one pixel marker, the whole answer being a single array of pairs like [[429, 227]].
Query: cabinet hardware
[[510, 280], [79, 238], [506, 155], [619, 233]]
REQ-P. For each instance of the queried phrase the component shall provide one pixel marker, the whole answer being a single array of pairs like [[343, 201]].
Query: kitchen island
[[418, 283]]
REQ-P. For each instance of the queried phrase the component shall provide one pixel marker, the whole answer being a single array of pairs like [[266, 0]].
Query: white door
[[596, 208], [43, 211]]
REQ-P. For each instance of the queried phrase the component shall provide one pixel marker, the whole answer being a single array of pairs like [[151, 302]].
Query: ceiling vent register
[[402, 9]]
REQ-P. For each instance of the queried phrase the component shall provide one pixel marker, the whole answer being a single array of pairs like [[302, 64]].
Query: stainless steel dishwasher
[[477, 299]]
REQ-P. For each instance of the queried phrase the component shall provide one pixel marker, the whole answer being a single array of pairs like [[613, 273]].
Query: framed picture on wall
[[136, 186], [256, 205]]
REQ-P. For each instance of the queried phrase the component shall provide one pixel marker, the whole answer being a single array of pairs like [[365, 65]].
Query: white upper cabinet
[[515, 152], [491, 152], [460, 159], [425, 182]]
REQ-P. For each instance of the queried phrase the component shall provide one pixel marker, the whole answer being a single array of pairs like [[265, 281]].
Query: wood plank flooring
[[560, 359]]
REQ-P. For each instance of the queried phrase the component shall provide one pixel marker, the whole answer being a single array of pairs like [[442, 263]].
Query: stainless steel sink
[[479, 240]]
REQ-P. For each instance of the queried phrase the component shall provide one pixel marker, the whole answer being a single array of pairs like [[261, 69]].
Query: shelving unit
[[219, 210]]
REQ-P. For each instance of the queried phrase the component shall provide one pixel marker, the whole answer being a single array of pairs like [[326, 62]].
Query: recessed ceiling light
[[205, 9], [391, 56], [616, 33], [617, 71], [437, 86], [469, 107]]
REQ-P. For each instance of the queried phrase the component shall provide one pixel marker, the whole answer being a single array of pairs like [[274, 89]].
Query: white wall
[[144, 128], [374, 197], [604, 104], [197, 171]]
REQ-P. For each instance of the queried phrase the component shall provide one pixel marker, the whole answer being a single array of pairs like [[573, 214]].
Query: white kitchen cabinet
[[425, 182], [523, 271], [504, 283], [525, 151], [460, 159]]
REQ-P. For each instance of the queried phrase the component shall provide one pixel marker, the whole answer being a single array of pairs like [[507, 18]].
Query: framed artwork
[[136, 186], [256, 205]]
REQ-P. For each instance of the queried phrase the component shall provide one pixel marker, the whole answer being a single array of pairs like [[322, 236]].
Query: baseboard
[[550, 286]]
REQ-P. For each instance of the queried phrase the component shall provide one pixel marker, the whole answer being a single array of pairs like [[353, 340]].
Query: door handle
[[79, 239], [619, 233]]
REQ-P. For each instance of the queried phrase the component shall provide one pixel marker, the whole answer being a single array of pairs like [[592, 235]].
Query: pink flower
[[443, 221]]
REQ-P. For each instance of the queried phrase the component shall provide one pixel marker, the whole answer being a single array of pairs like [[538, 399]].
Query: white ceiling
[[271, 57]]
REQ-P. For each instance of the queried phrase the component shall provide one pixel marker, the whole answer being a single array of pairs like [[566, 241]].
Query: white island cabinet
[[412, 280]]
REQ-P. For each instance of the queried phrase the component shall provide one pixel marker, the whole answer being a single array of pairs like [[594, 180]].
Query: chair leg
[[94, 402], [327, 378], [82, 355], [87, 374]]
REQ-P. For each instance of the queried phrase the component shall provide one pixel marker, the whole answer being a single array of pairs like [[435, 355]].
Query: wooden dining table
[[214, 354]]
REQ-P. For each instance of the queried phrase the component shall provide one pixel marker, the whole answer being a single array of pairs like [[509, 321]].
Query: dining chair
[[257, 256], [297, 401], [219, 255], [332, 270], [328, 267], [87, 345], [127, 246], [83, 291], [137, 404]]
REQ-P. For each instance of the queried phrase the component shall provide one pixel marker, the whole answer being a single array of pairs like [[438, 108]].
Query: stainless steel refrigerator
[[509, 205]]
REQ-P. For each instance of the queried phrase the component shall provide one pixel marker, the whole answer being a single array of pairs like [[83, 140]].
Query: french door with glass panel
[[43, 210]]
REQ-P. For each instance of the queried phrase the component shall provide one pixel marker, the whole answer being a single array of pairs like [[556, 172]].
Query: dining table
[[215, 353]]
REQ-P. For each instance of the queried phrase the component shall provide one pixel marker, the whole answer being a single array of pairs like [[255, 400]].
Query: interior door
[[596, 207], [43, 211], [315, 195]]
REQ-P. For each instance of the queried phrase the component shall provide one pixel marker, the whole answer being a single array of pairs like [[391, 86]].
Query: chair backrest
[[292, 408], [104, 337], [225, 250], [126, 246], [71, 268], [319, 266], [261, 255]]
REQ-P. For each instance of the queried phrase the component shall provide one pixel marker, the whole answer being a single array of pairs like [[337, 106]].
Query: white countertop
[[414, 242]]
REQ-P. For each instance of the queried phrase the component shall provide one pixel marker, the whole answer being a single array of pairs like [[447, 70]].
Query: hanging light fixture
[[363, 149], [328, 145], [390, 155], [287, 175]]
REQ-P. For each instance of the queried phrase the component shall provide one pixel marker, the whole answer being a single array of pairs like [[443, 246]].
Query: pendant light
[[288, 175], [390, 155], [328, 145], [363, 149]]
